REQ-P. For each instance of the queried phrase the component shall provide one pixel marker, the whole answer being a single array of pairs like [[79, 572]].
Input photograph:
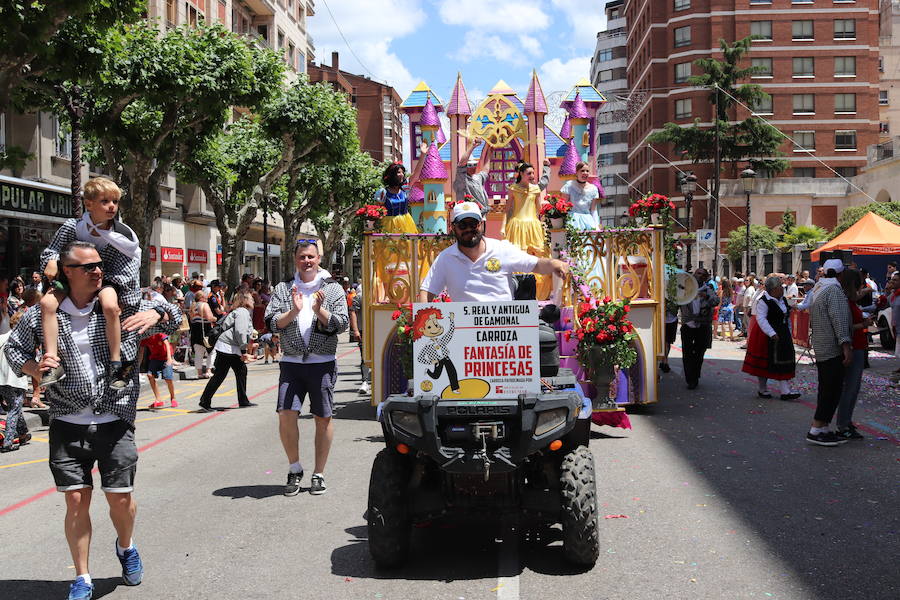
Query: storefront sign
[[472, 350], [172, 254], [218, 258], [33, 200], [152, 253], [256, 248], [197, 256]]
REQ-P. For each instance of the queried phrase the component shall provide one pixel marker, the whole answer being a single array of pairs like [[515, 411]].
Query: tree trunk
[[135, 206], [287, 245]]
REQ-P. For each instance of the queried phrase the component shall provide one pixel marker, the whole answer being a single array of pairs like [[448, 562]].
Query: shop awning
[[870, 235]]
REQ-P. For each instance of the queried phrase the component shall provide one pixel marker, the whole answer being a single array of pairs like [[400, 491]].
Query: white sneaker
[[365, 389]]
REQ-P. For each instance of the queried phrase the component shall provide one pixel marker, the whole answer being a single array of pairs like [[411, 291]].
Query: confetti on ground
[[498, 587], [616, 517], [269, 472]]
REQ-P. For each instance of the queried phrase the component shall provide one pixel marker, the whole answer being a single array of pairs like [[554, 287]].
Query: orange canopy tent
[[870, 235]]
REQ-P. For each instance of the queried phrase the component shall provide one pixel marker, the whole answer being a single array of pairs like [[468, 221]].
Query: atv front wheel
[[578, 491], [388, 518]]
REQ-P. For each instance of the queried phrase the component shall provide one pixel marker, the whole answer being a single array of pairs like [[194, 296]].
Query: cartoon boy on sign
[[427, 324]]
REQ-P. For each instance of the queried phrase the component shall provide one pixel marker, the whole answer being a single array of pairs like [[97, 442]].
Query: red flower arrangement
[[555, 207], [604, 325], [651, 204], [372, 212]]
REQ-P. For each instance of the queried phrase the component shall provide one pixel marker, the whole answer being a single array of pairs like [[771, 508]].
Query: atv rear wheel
[[578, 491], [388, 519]]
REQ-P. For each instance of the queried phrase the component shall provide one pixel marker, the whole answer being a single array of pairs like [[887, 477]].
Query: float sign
[[472, 350]]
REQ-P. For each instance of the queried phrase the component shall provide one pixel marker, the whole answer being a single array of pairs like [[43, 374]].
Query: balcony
[[261, 7], [258, 40], [310, 8]]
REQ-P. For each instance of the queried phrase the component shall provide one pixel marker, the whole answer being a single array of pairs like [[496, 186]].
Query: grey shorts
[[317, 380], [75, 448]]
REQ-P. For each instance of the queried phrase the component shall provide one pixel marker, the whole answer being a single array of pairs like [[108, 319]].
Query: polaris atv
[[463, 457]]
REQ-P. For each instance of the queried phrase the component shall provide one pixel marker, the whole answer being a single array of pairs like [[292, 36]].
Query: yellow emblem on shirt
[[493, 265]]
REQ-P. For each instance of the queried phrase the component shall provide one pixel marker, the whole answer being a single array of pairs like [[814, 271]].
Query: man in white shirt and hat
[[479, 268]]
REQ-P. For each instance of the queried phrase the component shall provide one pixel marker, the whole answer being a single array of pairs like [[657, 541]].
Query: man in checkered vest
[[90, 421]]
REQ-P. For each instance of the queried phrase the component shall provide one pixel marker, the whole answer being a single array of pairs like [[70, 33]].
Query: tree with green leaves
[[806, 235], [158, 96], [761, 238], [887, 210], [788, 222], [750, 140]]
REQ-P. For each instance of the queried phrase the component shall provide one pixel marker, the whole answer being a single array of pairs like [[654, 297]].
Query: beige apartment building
[[36, 200]]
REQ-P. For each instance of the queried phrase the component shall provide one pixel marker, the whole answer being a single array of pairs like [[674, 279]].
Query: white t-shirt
[[487, 279], [80, 319], [306, 318]]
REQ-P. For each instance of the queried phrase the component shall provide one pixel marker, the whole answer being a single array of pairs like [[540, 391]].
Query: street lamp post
[[747, 181], [688, 187], [266, 235]]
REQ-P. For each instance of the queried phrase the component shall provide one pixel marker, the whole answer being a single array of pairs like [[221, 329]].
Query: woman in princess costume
[[394, 196], [523, 227], [585, 198]]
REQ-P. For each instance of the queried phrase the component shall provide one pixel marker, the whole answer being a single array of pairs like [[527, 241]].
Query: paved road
[[715, 492]]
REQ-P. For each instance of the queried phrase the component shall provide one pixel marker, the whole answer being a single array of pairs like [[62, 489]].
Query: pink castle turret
[[458, 111], [567, 168], [566, 131], [578, 110], [535, 109]]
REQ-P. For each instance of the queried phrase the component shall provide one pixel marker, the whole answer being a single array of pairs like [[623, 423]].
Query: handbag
[[216, 331]]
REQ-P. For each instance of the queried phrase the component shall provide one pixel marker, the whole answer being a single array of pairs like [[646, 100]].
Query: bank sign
[[471, 350], [34, 201]]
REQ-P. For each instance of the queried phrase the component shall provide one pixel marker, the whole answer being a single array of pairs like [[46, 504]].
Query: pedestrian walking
[[356, 328], [89, 422], [231, 352], [671, 332], [309, 311], [160, 366], [202, 319], [725, 315], [770, 348], [696, 328], [852, 282], [830, 321], [12, 392]]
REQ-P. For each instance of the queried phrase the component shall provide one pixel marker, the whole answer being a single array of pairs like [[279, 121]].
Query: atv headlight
[[549, 420], [406, 422]]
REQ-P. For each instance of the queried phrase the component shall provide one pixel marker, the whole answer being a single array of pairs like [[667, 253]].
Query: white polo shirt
[[484, 280]]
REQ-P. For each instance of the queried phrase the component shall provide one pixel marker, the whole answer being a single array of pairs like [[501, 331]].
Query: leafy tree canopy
[[888, 210], [806, 235], [761, 238]]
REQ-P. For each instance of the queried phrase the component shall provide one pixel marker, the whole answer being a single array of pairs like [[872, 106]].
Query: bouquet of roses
[[555, 207], [604, 325], [651, 204], [372, 212]]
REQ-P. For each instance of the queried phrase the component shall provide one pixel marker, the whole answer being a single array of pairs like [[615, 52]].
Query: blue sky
[[404, 41]]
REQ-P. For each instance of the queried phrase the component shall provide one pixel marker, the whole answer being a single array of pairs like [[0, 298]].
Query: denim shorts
[[75, 448], [297, 380], [159, 368]]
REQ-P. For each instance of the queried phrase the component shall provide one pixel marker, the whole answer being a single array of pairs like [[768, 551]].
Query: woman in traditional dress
[[523, 227], [394, 197], [770, 349], [585, 199]]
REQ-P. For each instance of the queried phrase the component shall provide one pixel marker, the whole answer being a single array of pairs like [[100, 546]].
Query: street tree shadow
[[257, 492], [31, 589]]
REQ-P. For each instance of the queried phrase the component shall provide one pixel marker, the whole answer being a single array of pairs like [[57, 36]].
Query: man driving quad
[[479, 268]]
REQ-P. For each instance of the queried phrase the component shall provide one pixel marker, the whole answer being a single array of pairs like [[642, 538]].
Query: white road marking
[[508, 565]]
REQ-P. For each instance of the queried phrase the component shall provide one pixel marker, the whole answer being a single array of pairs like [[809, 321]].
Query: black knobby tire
[[578, 496], [885, 336], [388, 519]]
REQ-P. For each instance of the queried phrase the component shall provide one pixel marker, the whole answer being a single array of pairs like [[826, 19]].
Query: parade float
[[623, 266]]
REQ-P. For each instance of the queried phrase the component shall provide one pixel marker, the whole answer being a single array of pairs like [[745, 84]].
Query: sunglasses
[[302, 242], [88, 267], [467, 224]]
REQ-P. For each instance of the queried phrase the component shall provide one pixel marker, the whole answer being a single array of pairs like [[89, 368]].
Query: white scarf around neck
[[87, 231]]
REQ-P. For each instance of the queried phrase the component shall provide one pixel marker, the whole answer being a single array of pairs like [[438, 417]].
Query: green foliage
[[805, 234], [788, 222], [761, 238], [14, 158], [751, 139], [888, 210]]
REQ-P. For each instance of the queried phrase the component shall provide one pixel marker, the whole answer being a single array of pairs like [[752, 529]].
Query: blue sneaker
[[132, 567], [81, 590]]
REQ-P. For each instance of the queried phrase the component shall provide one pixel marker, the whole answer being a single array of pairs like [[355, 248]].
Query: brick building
[[377, 109], [820, 61]]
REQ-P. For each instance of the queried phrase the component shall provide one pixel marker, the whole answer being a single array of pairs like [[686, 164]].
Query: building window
[[605, 139], [683, 36], [846, 171], [604, 55], [805, 172], [682, 4], [606, 159], [845, 103], [763, 106], [760, 1], [682, 72], [171, 13], [883, 97], [804, 104], [881, 64], [62, 137], [884, 127], [802, 30], [845, 66], [683, 108], [605, 75], [804, 140], [608, 181], [761, 30], [803, 66], [763, 67], [845, 29], [845, 139]]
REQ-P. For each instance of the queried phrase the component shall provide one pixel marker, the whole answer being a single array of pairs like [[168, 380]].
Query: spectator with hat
[[216, 298]]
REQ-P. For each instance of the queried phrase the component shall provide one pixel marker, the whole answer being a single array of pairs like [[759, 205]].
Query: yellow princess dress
[[524, 228]]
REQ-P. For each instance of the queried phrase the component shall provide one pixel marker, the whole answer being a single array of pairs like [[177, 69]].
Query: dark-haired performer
[[395, 196]]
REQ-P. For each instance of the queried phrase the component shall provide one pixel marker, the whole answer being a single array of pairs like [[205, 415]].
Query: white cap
[[472, 161], [833, 263], [465, 210]]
